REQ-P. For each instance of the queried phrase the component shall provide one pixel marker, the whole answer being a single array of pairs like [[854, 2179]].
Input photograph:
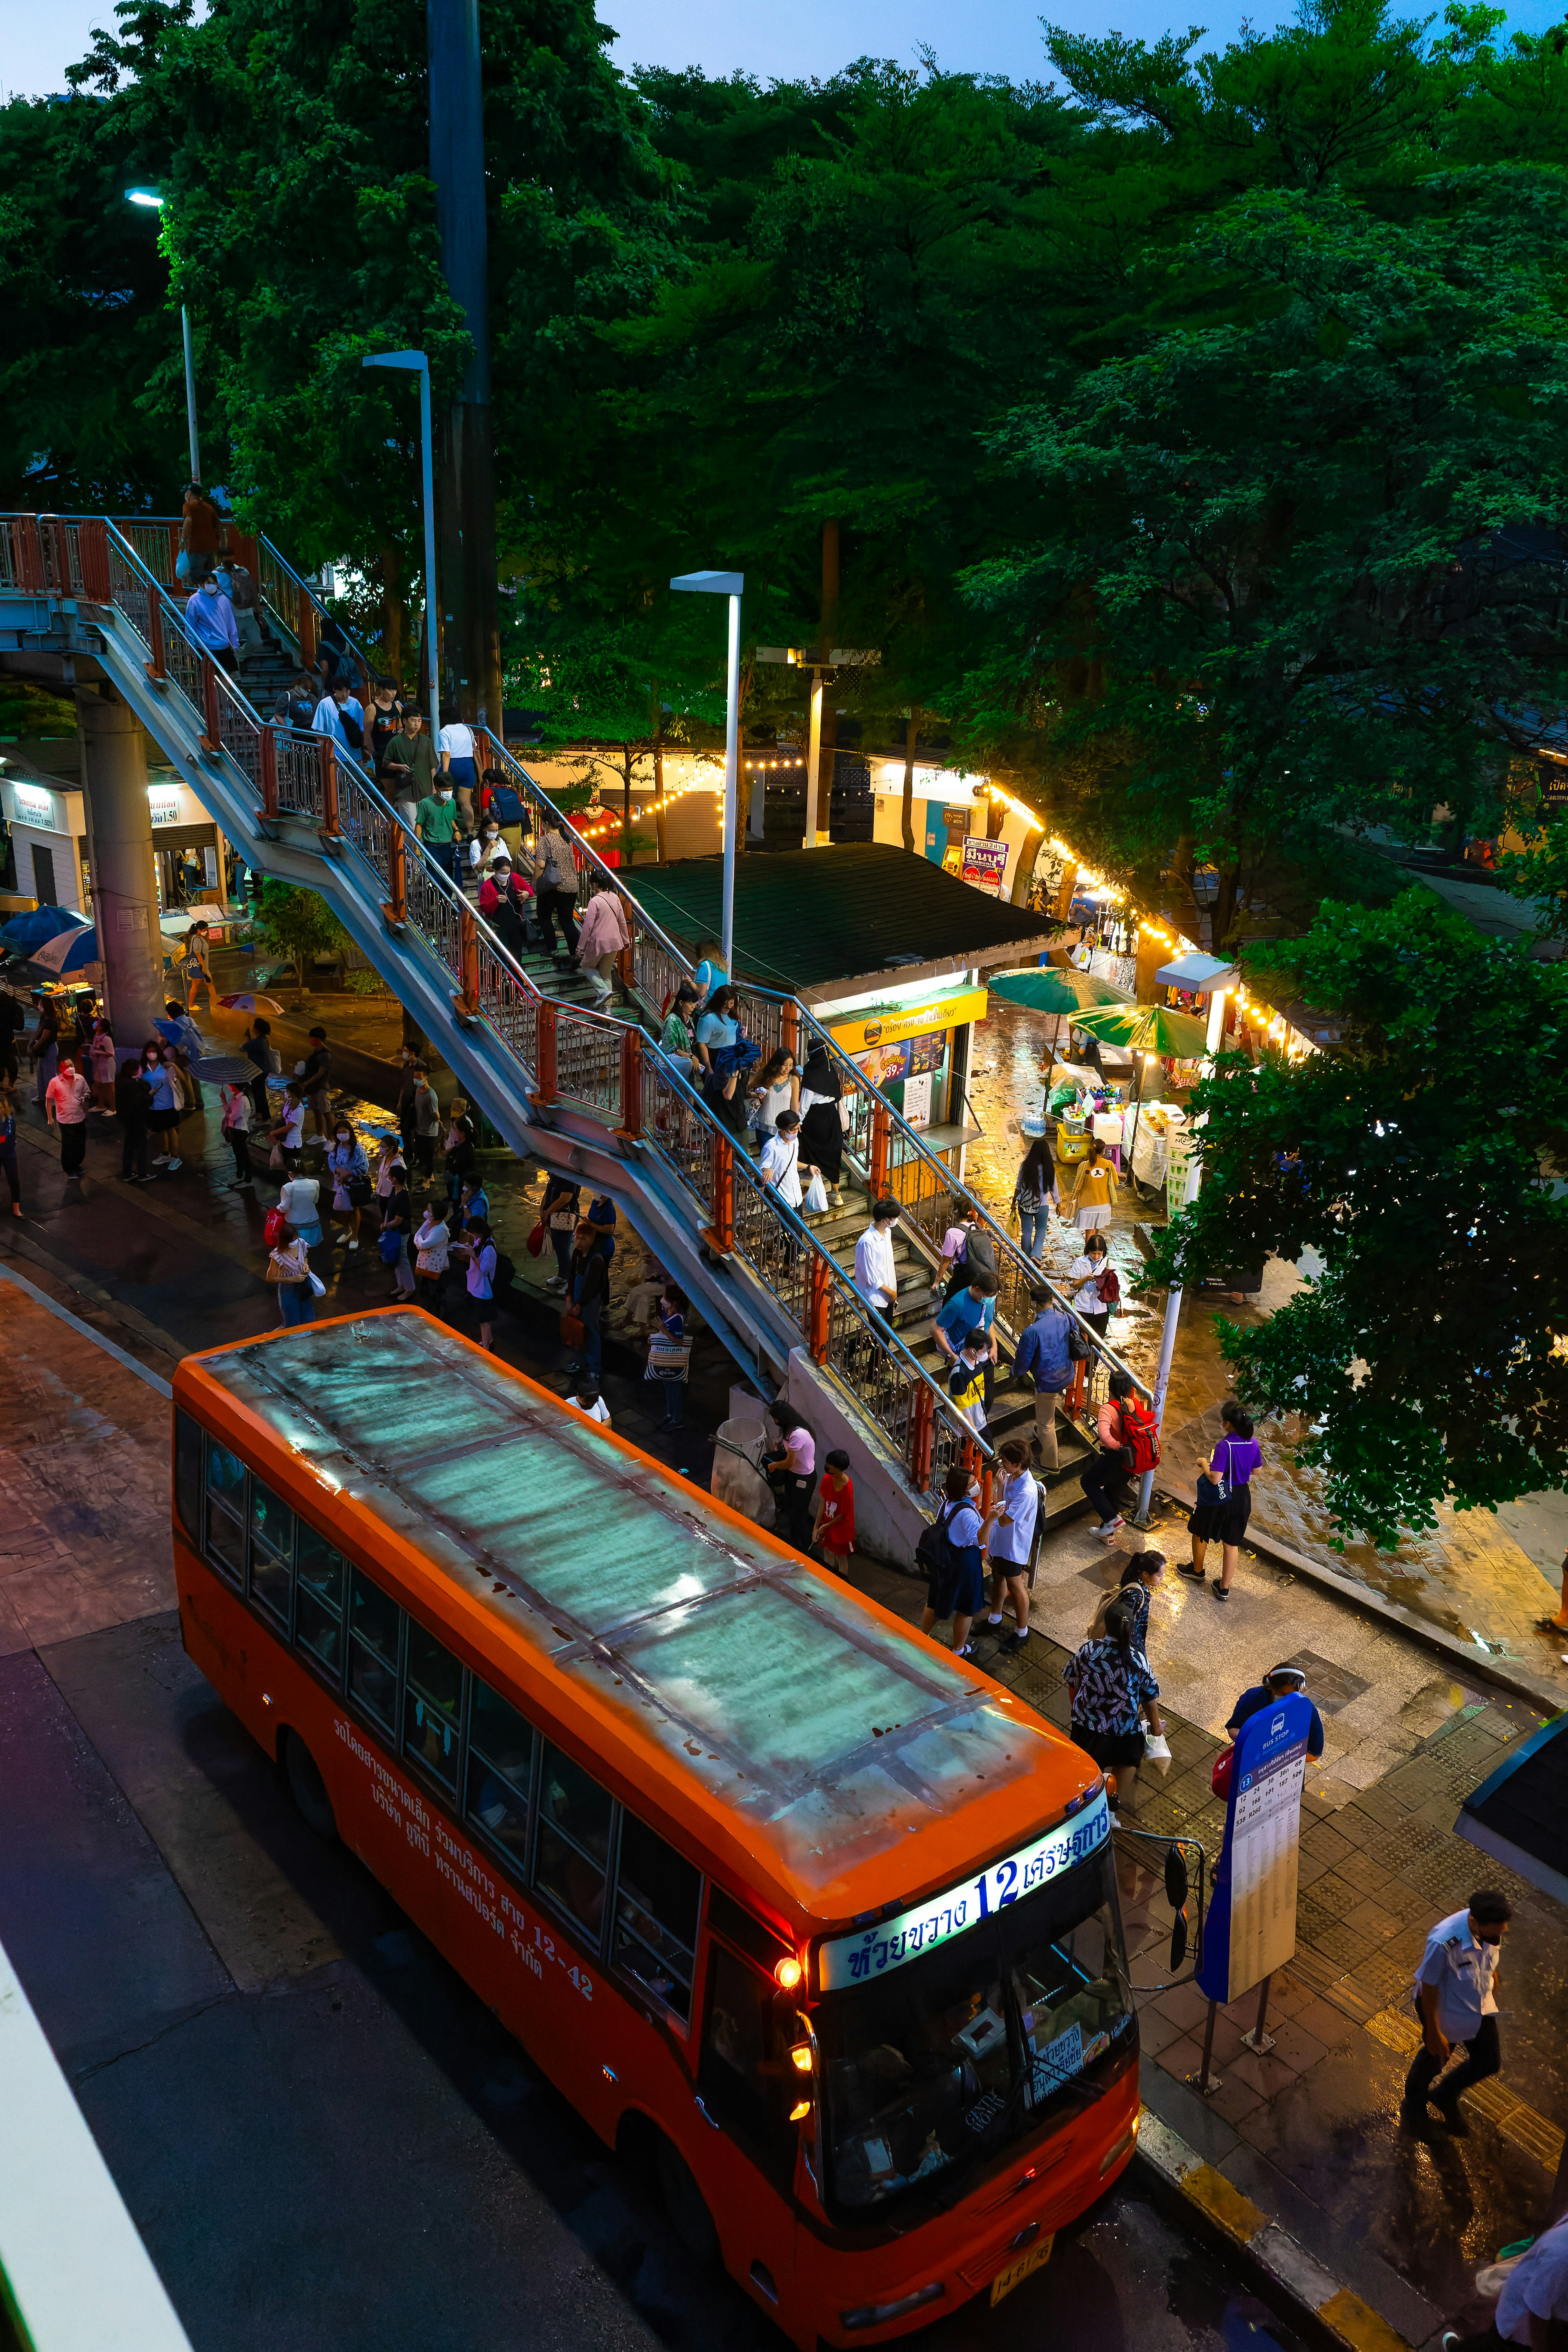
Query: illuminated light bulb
[[800, 2057], [799, 2111], [788, 1974]]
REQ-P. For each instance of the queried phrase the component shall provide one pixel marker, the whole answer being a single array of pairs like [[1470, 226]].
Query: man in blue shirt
[[973, 1308], [1043, 1358]]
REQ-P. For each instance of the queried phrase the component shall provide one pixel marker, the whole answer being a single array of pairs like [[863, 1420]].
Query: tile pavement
[[1379, 1863]]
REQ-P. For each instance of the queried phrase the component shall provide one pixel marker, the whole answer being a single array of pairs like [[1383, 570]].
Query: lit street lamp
[[417, 361], [726, 583], [154, 203]]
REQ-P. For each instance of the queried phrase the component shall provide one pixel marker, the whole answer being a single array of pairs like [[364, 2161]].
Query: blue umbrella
[[67, 952], [44, 923]]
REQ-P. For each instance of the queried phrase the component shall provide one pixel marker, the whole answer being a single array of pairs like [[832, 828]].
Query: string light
[[1032, 823]]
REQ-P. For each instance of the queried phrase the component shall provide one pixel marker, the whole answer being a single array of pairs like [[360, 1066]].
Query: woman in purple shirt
[[1235, 1457]]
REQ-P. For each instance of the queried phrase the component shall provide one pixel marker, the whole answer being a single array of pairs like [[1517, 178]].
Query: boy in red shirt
[[833, 1529]]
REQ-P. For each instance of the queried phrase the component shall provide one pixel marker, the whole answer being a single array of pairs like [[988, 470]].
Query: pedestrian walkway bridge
[[90, 598]]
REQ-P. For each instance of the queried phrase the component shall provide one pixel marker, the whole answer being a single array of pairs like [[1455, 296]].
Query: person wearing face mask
[[168, 1099], [350, 1171], [436, 822], [66, 1101], [485, 847], [1455, 1994]]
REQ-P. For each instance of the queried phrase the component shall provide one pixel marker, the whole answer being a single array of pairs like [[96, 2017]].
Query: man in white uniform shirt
[[876, 1273], [1011, 1540], [1533, 2305], [1455, 2000]]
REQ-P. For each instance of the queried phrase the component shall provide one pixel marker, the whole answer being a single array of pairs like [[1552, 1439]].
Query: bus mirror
[[1178, 1941], [1176, 1878]]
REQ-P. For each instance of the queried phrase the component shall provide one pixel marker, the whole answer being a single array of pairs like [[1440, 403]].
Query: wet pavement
[[1483, 1579], [1309, 2130]]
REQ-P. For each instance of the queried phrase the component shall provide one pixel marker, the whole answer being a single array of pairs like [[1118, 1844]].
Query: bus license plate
[[1026, 2264]]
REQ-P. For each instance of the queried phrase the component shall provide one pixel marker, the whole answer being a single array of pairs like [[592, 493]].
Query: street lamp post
[[420, 365], [731, 585], [154, 203]]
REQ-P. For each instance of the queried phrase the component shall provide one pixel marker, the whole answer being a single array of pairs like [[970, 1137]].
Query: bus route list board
[[1250, 1930]]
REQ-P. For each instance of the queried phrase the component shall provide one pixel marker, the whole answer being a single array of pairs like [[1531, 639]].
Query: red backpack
[[1139, 1437]]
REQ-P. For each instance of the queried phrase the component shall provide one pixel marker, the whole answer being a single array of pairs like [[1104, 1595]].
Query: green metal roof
[[804, 917], [769, 1684]]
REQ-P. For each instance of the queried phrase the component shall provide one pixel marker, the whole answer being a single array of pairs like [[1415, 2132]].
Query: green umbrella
[[1048, 988], [1145, 1029]]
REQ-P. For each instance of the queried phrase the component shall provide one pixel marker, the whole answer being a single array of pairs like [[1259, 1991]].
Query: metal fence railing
[[560, 1052]]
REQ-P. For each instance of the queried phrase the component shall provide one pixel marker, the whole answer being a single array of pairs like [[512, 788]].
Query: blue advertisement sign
[[1250, 1930]]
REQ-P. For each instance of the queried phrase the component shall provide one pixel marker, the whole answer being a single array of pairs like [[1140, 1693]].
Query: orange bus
[[806, 1906]]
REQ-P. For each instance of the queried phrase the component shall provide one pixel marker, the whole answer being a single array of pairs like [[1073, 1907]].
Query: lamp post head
[[415, 359], [711, 584], [148, 196]]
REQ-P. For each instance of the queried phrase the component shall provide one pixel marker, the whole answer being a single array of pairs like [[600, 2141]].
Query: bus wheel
[[307, 1788], [687, 2208]]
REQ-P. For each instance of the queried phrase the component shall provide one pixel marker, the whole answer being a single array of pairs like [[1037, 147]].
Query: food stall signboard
[[985, 863], [894, 1022]]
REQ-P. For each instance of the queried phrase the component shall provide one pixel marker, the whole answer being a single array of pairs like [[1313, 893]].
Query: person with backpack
[[555, 888], [1129, 1445], [966, 1382], [1044, 1356], [477, 1246], [506, 807], [1112, 1693], [949, 1552], [1224, 1502]]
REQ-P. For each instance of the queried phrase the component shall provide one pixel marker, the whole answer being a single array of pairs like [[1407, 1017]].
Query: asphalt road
[[326, 2140]]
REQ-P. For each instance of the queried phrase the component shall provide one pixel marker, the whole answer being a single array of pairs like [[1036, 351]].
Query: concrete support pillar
[[120, 850]]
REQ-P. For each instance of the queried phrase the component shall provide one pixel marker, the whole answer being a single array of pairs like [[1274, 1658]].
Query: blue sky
[[811, 37]]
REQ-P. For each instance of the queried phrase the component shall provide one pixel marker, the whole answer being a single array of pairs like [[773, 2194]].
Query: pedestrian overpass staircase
[[585, 1090]]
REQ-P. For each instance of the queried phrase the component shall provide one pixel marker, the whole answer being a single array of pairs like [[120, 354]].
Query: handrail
[[306, 779], [919, 1177]]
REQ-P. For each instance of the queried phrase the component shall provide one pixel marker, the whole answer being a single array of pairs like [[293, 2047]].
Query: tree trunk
[[627, 760], [908, 804]]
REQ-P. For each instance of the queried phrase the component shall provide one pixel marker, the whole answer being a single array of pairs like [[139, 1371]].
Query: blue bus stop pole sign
[[1251, 1926]]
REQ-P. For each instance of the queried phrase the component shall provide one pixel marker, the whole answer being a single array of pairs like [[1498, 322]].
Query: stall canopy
[[1049, 988], [26, 932]]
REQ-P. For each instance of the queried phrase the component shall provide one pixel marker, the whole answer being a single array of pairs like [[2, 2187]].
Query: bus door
[[750, 2088]]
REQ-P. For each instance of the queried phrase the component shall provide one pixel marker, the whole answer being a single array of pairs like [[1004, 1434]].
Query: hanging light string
[[1275, 1028]]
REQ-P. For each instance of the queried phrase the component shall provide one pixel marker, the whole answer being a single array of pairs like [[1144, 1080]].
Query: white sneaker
[[1110, 1528], [173, 1164]]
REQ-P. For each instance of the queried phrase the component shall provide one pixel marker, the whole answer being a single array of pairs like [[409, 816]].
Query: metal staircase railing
[[564, 1055]]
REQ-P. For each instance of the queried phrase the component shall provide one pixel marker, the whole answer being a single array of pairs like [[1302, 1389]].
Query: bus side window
[[271, 1553], [319, 1603], [745, 2074], [372, 1649], [189, 1475], [574, 1841], [658, 1893], [500, 1766], [432, 1706], [226, 1512]]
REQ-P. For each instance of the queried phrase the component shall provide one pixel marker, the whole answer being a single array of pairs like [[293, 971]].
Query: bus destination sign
[[893, 1943]]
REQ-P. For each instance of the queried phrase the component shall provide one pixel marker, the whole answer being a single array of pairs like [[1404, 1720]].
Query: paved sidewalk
[[1482, 1580], [1309, 2131]]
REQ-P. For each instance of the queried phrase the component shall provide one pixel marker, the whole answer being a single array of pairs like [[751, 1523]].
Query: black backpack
[[505, 1273], [934, 1550]]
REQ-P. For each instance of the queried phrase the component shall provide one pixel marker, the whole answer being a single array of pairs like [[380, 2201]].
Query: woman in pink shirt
[[66, 1098], [600, 936]]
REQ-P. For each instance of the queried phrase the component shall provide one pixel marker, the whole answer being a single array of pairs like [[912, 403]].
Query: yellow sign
[[1026, 2264], [886, 1028]]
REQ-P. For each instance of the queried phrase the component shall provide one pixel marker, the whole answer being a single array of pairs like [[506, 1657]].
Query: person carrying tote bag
[[288, 1270]]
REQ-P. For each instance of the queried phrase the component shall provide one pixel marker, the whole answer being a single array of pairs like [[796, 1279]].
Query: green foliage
[[297, 924], [1416, 1162]]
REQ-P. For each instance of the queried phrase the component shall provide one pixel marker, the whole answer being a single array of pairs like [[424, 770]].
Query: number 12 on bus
[[786, 1901]]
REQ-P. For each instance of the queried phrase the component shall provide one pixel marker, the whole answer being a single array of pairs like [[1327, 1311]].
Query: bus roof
[[821, 1726]]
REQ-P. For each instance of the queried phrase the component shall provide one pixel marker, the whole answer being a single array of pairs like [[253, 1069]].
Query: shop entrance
[[44, 889]]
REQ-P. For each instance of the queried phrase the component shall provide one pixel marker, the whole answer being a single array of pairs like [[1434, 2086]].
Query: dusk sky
[[812, 37]]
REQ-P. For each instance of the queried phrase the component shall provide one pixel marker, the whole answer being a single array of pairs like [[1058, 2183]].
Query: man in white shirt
[[1533, 2305], [876, 1273], [328, 719], [779, 1164], [1455, 2000], [456, 745], [1011, 1539]]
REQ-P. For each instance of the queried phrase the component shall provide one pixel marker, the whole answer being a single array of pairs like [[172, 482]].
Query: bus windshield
[[966, 2048]]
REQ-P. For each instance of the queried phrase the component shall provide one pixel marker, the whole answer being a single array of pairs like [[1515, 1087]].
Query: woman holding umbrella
[[821, 1134]]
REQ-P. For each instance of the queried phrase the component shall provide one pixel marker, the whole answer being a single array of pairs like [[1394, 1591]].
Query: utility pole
[[823, 727], [469, 638]]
